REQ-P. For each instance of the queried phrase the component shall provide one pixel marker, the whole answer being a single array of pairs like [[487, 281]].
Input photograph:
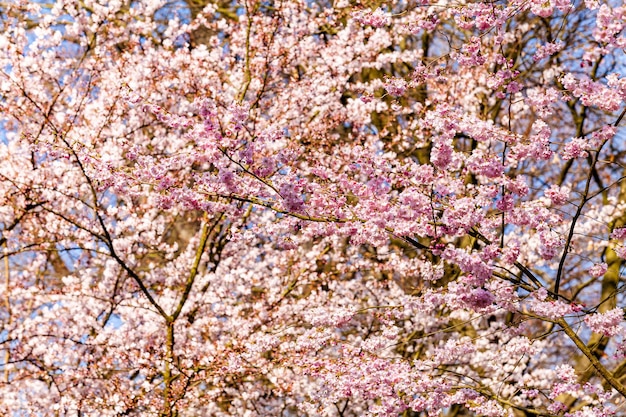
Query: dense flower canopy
[[296, 208]]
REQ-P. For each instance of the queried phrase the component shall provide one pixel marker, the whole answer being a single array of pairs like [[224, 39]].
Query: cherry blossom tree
[[288, 208]]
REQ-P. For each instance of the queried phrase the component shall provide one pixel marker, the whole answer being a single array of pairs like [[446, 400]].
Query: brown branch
[[606, 374], [204, 237]]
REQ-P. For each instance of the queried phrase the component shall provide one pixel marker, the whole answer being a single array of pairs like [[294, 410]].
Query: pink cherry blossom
[[312, 208], [598, 270], [607, 323]]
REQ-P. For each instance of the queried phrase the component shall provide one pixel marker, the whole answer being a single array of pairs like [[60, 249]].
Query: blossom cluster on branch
[[286, 207]]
